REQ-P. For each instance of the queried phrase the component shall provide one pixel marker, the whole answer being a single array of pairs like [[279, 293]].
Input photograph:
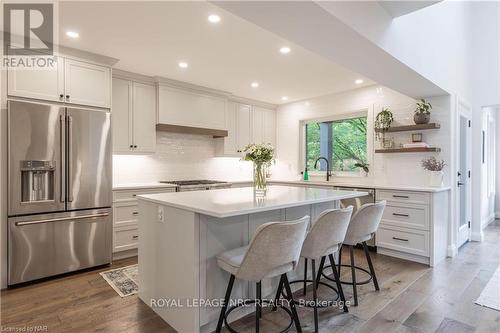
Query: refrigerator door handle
[[70, 160], [61, 171], [69, 218]]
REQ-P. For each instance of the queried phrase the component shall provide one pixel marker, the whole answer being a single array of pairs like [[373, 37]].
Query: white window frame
[[364, 112]]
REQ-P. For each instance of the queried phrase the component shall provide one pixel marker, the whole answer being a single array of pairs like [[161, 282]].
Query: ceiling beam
[[312, 27]]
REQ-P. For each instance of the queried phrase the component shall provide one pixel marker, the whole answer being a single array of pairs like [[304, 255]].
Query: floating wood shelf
[[409, 150], [409, 128]]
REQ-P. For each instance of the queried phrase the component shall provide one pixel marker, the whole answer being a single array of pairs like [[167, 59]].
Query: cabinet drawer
[[125, 214], [403, 196], [125, 239], [407, 216], [131, 195], [404, 240]]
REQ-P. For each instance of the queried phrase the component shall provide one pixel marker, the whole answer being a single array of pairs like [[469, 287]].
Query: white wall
[[402, 169], [488, 178], [497, 167], [179, 156]]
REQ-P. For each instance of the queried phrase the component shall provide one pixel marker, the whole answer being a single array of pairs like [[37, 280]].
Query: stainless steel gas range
[[197, 185]]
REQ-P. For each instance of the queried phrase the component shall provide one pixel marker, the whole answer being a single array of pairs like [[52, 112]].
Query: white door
[[44, 84], [243, 126], [87, 84], [121, 116], [144, 118], [463, 175]]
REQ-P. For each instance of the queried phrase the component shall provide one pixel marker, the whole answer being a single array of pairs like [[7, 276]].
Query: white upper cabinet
[[133, 117], [189, 108], [87, 84], [243, 126], [121, 116], [264, 126], [39, 84], [144, 117], [246, 124], [70, 81]]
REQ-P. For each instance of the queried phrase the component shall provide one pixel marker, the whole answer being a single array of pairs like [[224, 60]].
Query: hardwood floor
[[412, 298]]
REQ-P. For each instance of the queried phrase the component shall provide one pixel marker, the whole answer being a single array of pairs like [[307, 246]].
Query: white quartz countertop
[[135, 186], [241, 201]]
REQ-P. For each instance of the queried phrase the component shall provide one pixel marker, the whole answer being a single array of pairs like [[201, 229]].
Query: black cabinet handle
[[134, 195], [131, 146], [135, 213], [135, 146], [67, 96], [135, 237], [400, 196], [397, 214], [61, 96], [400, 239]]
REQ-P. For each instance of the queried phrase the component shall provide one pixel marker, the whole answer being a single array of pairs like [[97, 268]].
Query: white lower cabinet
[[414, 225], [125, 218]]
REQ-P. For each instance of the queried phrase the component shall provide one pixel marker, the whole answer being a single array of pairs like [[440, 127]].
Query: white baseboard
[[476, 236], [451, 251], [486, 221]]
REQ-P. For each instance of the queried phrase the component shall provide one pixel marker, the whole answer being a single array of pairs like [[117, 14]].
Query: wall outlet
[[161, 214]]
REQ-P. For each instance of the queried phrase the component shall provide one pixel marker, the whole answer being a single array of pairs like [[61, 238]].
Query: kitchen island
[[180, 235]]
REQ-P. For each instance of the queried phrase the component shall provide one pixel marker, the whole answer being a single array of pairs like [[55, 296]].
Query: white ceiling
[[400, 8], [150, 38]]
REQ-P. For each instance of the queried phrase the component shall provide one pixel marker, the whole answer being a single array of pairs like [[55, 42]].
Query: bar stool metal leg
[[315, 296], [353, 272], [226, 302], [337, 281], [320, 270], [289, 297], [372, 270], [304, 290], [340, 258], [258, 307], [278, 294]]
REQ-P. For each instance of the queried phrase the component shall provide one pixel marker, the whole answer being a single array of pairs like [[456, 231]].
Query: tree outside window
[[343, 142]]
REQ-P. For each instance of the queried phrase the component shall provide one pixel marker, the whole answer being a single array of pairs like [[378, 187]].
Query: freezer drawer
[[45, 245]]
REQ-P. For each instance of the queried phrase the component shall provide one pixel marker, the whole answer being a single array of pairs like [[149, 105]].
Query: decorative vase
[[436, 178], [259, 178], [421, 118]]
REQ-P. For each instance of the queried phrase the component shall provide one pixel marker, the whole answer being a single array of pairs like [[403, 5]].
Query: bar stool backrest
[[364, 223], [328, 231], [273, 250]]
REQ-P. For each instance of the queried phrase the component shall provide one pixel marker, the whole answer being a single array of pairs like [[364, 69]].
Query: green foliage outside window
[[347, 144]]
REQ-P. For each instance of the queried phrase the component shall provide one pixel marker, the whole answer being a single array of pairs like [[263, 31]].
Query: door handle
[[69, 218], [61, 153], [400, 239], [398, 214], [70, 159], [400, 196], [460, 184]]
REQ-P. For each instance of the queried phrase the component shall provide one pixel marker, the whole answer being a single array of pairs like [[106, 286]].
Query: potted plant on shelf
[[383, 121], [435, 168], [422, 112], [262, 156]]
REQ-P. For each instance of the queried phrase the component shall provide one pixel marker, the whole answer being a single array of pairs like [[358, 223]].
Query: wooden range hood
[[191, 130]]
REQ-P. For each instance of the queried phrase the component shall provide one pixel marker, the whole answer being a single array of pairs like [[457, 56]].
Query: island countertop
[[240, 201]]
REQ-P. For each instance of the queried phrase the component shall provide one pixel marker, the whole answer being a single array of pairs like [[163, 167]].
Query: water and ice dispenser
[[37, 181]]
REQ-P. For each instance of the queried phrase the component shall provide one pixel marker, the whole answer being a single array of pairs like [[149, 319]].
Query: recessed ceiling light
[[285, 50], [183, 64], [284, 98], [213, 18], [254, 84], [358, 81], [72, 34]]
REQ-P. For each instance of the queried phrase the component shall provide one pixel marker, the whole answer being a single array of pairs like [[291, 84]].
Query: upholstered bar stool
[[273, 251], [322, 241], [362, 227]]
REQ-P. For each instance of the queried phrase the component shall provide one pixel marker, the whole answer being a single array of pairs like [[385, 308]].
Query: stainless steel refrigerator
[[59, 190]]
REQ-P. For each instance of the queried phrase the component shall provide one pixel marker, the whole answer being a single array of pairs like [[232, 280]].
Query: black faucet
[[328, 171]]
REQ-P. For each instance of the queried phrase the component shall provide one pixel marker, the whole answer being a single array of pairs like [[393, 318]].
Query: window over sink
[[342, 140]]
